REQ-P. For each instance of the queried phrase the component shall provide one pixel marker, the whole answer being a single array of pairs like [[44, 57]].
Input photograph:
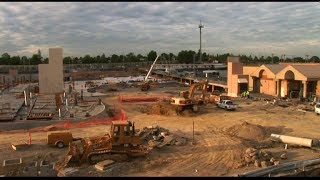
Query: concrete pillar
[[304, 83], [275, 87], [279, 88]]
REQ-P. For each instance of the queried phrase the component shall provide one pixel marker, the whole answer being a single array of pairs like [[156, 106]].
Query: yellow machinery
[[187, 99], [121, 143]]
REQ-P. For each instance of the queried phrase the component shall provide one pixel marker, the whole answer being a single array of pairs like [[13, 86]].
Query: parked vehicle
[[60, 139], [317, 108], [227, 105]]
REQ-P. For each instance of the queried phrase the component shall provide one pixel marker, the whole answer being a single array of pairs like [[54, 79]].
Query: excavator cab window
[[126, 131], [116, 131]]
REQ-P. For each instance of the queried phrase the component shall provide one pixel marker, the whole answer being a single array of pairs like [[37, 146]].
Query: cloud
[[122, 27]]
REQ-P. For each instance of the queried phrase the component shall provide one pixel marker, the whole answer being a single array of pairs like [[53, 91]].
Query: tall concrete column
[[275, 87], [304, 83], [279, 88]]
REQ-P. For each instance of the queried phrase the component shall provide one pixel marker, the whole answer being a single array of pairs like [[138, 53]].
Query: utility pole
[[272, 58], [200, 27], [307, 58], [194, 59], [29, 73]]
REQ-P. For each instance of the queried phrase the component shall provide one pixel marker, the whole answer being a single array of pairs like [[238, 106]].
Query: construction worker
[[247, 94]]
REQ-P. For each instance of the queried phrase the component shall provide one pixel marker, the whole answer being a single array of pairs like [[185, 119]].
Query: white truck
[[227, 105], [317, 108]]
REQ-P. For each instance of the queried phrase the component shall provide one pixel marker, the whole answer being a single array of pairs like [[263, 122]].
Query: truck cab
[[317, 108]]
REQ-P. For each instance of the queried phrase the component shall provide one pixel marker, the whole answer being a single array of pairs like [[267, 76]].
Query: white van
[[317, 108]]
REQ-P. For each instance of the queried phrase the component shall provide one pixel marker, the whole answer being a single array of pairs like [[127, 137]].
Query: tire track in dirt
[[213, 155]]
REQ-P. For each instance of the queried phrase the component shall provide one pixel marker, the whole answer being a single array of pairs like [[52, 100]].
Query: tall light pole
[[200, 27]]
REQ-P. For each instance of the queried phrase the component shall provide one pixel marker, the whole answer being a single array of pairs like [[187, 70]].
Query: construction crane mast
[[145, 79], [146, 86]]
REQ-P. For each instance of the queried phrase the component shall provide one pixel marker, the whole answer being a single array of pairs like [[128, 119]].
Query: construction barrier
[[120, 115]]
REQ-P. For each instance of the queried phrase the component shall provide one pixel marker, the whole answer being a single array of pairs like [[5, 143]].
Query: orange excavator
[[187, 99]]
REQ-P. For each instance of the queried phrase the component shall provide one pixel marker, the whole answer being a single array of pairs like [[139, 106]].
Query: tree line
[[184, 56]]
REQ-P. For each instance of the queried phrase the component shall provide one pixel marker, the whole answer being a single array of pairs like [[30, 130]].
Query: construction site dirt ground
[[215, 151]]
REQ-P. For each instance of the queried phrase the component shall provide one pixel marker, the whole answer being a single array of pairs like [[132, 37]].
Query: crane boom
[[145, 79]]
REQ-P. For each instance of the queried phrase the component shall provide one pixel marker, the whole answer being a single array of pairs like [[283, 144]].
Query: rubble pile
[[157, 137], [261, 158]]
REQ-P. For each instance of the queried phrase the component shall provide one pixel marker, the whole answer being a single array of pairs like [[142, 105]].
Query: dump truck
[[187, 99], [121, 143]]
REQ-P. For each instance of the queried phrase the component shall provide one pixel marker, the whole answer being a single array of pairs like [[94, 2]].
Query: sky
[[80, 28]]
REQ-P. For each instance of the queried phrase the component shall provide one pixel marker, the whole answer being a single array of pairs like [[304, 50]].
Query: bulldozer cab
[[184, 94], [123, 133]]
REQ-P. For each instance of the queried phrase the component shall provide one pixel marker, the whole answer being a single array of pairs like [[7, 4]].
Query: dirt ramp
[[248, 131]]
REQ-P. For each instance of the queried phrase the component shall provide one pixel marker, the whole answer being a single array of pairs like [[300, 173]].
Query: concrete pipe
[[292, 140]]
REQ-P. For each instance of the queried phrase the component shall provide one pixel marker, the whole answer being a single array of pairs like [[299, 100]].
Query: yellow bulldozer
[[118, 145]]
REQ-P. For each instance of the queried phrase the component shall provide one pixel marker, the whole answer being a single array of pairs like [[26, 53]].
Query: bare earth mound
[[164, 108], [248, 131]]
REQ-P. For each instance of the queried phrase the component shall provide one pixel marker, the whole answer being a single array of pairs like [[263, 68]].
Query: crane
[[146, 86]]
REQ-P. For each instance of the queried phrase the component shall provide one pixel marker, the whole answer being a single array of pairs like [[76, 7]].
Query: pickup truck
[[227, 105]]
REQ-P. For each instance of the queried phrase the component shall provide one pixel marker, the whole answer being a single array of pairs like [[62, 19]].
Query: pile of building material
[[157, 137], [261, 158]]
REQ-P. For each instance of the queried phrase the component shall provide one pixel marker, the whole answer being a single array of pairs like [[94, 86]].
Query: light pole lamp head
[[201, 25]]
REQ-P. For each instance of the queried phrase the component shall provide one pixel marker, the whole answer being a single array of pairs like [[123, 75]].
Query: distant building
[[237, 81], [291, 80]]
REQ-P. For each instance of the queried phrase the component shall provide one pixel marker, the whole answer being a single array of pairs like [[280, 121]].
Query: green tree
[[152, 55], [87, 59], [131, 57], [46, 60], [298, 59], [141, 57], [40, 56], [15, 60], [186, 56], [276, 59], [315, 59], [114, 58], [103, 58], [35, 59], [5, 59], [67, 60]]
